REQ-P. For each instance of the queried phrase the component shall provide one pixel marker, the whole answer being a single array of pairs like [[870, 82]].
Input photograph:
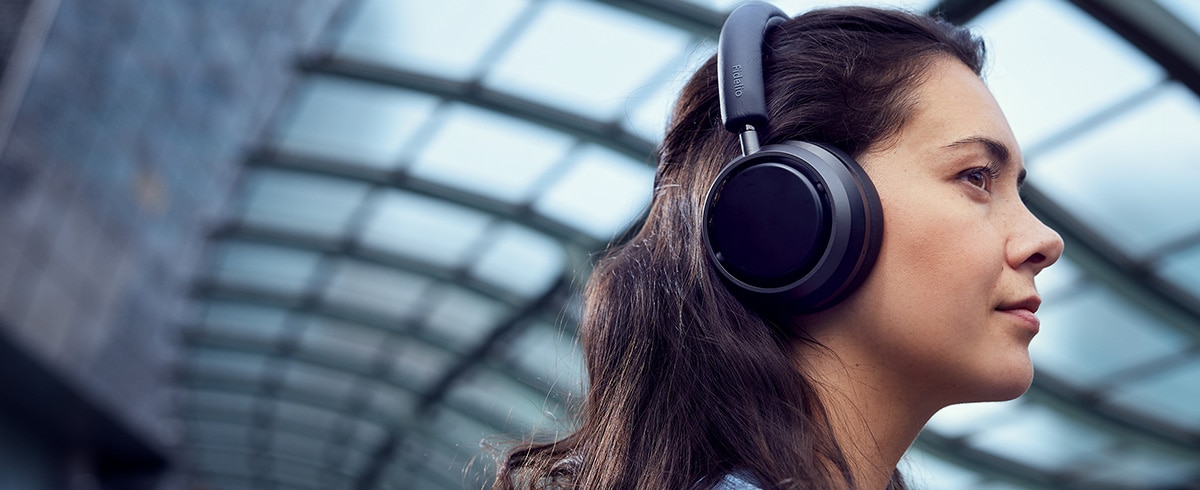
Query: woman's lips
[[1026, 317]]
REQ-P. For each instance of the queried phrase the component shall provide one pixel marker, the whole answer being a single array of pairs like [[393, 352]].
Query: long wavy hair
[[687, 383]]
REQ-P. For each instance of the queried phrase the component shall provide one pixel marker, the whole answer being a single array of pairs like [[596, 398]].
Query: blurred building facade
[[122, 125]]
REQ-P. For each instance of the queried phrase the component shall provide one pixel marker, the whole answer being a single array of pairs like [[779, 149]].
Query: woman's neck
[[873, 421]]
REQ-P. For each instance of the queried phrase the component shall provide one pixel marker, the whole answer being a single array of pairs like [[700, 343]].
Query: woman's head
[[948, 309], [687, 382]]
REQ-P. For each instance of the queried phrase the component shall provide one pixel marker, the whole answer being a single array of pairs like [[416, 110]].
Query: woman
[[698, 381]]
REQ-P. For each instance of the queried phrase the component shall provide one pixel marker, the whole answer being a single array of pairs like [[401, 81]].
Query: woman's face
[[948, 309]]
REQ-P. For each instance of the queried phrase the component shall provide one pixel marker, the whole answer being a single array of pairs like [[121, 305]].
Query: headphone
[[794, 226]]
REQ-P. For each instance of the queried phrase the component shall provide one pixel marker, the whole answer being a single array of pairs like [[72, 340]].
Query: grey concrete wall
[[126, 143]]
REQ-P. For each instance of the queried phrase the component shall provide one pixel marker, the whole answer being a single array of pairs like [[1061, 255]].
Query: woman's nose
[[1034, 244]]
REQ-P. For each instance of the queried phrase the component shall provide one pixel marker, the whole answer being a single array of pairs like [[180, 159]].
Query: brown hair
[[686, 383]]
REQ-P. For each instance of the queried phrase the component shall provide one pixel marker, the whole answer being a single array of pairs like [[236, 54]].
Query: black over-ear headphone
[[795, 225]]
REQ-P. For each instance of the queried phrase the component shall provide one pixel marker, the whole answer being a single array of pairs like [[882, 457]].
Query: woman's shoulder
[[737, 480]]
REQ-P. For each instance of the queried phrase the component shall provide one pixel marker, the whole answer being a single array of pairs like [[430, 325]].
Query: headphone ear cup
[[795, 225]]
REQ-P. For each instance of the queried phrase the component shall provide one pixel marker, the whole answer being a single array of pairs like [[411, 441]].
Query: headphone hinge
[[749, 139]]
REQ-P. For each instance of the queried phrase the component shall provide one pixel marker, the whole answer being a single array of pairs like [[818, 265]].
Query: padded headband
[[740, 65]]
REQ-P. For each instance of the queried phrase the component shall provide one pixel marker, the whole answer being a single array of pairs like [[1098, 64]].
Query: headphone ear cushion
[[797, 225]]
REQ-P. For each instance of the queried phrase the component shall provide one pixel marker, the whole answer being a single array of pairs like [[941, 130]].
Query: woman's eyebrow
[[995, 149], [998, 152]]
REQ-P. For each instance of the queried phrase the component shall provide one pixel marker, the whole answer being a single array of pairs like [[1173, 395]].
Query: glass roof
[[397, 284]]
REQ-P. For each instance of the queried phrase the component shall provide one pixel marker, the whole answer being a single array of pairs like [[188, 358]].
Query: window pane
[[601, 194], [281, 269], [375, 289], [1183, 270], [928, 472], [261, 324], [1096, 334], [315, 382], [585, 57], [300, 202], [1105, 176], [1135, 464], [356, 122], [419, 365], [1042, 438], [423, 228], [517, 406], [550, 355], [1052, 65], [224, 364], [520, 260], [966, 418], [463, 318], [792, 7], [650, 105], [1186, 10], [490, 154], [413, 35], [344, 343], [1172, 395]]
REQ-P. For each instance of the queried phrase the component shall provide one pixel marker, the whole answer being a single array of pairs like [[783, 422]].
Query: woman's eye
[[979, 177]]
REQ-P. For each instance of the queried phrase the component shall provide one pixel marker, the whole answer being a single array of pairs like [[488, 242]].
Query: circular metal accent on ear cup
[[842, 244], [768, 223]]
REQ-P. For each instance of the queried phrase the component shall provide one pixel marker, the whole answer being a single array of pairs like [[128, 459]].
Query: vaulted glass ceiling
[[398, 278]]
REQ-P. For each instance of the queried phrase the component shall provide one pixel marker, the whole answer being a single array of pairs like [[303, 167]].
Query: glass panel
[[260, 324], [1059, 280], [463, 318], [1186, 10], [928, 472], [354, 462], [364, 434], [967, 418], [552, 356], [423, 228], [224, 403], [452, 451], [1042, 438], [1096, 334], [520, 260], [297, 446], [223, 461], [585, 57], [418, 365], [301, 203], [490, 154], [1052, 65], [206, 433], [311, 419], [1135, 465], [376, 289], [793, 7], [298, 475], [1172, 395], [390, 403], [280, 269], [225, 364], [345, 343], [651, 104], [601, 194], [459, 430], [353, 121], [1182, 269], [1093, 178], [516, 406], [413, 35], [317, 382]]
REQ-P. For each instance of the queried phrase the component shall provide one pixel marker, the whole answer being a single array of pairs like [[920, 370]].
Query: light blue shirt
[[736, 481]]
